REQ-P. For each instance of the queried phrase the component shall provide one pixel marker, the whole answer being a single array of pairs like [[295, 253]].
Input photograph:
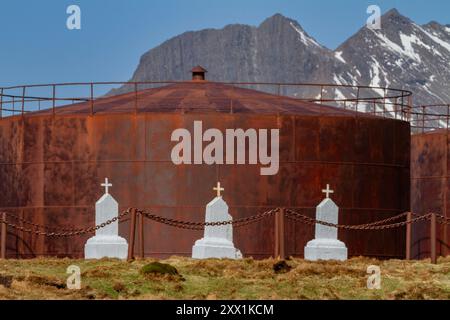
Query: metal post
[[433, 238], [136, 97], [92, 99], [3, 239], [395, 107], [408, 236], [403, 113], [54, 100], [357, 100], [141, 236], [321, 94], [423, 119], [448, 114], [1, 103], [279, 252], [23, 100], [132, 234], [410, 106]]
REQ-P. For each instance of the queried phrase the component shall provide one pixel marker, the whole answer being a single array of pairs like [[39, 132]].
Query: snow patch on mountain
[[375, 76], [338, 55], [442, 43], [303, 37], [407, 42], [387, 43]]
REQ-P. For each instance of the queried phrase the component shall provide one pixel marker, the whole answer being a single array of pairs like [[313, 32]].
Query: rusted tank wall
[[51, 170], [429, 188]]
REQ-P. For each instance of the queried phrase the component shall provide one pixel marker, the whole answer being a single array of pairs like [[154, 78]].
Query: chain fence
[[62, 231], [377, 225], [200, 225], [443, 220], [42, 230]]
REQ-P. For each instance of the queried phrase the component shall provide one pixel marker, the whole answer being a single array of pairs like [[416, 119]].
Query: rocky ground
[[225, 279]]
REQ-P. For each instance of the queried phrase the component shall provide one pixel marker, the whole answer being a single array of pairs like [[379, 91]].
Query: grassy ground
[[224, 279]]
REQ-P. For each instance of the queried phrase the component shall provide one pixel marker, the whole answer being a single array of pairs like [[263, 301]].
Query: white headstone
[[106, 243], [218, 240], [326, 245]]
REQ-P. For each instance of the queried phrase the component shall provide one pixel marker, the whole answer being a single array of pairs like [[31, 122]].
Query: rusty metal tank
[[52, 163], [430, 184]]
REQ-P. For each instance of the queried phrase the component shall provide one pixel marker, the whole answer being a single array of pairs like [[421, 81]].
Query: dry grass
[[225, 279]]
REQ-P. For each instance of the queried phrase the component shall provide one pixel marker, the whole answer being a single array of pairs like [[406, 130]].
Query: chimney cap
[[199, 69], [198, 73]]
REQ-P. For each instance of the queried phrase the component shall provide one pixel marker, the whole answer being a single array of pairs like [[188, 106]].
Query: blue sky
[[36, 46]]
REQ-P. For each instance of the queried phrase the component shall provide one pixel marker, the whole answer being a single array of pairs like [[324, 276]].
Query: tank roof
[[203, 97]]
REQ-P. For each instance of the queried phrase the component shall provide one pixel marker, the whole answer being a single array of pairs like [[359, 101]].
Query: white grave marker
[[218, 240], [106, 243], [326, 245]]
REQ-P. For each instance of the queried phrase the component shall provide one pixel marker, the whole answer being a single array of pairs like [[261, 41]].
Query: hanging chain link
[[368, 226], [200, 225], [66, 232], [443, 220], [39, 226]]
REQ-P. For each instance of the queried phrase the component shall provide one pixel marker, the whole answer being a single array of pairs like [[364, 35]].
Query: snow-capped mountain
[[402, 54]]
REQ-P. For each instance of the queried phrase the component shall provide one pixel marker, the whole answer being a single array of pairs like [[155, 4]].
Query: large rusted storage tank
[[51, 167], [430, 183]]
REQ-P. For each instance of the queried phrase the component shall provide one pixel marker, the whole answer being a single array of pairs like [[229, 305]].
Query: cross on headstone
[[106, 185], [327, 191], [219, 190]]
